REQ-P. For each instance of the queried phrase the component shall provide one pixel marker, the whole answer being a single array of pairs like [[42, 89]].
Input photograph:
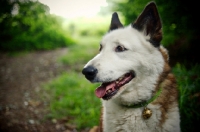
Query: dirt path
[[21, 109]]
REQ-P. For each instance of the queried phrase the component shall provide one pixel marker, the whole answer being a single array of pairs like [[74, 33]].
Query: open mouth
[[108, 89]]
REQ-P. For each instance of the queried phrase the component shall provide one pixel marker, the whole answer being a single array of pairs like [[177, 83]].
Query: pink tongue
[[101, 91]]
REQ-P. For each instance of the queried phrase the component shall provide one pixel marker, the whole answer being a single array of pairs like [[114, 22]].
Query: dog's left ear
[[149, 22], [115, 22]]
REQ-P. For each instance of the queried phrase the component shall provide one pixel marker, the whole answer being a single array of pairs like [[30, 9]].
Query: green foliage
[[32, 28], [189, 84]]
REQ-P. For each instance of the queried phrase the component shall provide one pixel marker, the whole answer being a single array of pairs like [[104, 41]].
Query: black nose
[[90, 72]]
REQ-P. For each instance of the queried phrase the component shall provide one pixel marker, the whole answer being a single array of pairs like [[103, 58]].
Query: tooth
[[120, 78], [117, 82], [109, 91]]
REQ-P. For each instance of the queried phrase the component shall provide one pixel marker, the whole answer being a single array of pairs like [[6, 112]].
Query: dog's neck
[[146, 102]]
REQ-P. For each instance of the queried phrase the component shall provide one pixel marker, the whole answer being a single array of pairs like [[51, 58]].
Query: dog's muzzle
[[90, 72]]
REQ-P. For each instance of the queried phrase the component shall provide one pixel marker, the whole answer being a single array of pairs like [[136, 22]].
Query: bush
[[33, 28], [188, 84]]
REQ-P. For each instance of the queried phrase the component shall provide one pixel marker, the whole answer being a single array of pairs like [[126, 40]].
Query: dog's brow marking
[[117, 42]]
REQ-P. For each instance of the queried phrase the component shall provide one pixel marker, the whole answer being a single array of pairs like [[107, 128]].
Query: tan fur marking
[[169, 95]]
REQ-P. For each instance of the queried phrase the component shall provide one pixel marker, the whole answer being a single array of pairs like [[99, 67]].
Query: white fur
[[147, 62]]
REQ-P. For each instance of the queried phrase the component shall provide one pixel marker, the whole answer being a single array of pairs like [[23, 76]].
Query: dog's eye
[[120, 48]]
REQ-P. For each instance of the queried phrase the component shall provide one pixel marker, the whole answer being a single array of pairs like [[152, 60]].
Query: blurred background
[[44, 45]]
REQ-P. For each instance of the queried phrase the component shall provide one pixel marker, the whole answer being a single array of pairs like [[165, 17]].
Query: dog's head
[[128, 55]]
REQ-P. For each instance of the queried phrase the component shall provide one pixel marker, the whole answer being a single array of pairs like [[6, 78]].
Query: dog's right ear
[[115, 22], [149, 22]]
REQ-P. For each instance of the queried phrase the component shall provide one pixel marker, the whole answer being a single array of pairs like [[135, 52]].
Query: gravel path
[[21, 109]]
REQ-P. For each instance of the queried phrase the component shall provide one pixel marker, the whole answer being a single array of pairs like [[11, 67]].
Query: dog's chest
[[128, 120]]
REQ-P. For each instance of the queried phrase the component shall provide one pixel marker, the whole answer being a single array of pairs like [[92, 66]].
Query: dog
[[138, 91]]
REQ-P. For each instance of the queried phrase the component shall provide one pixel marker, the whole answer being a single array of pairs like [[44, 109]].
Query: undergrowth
[[189, 96], [73, 97]]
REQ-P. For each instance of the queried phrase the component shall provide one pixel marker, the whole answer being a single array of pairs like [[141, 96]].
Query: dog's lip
[[109, 89]]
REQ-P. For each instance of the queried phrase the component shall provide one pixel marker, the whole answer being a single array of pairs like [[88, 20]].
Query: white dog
[[138, 90]]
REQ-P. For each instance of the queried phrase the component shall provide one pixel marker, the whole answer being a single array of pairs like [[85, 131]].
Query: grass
[[73, 97]]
